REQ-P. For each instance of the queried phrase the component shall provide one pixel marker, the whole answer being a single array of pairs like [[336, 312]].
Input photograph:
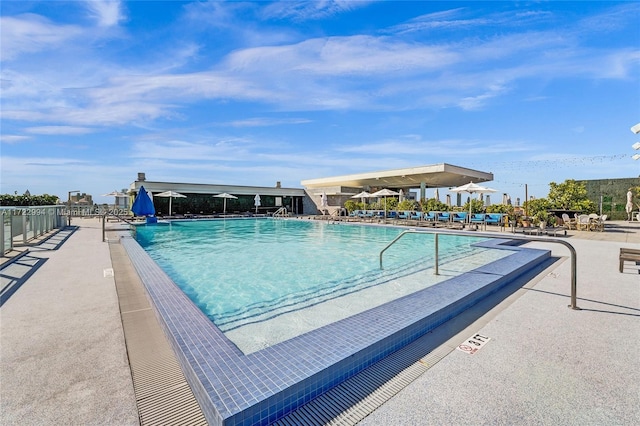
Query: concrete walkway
[[63, 358], [545, 363], [62, 352]]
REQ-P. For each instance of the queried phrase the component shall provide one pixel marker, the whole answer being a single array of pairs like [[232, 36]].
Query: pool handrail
[[572, 250]]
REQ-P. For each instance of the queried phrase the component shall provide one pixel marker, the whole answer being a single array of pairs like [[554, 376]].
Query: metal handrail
[[282, 211], [572, 250], [104, 223]]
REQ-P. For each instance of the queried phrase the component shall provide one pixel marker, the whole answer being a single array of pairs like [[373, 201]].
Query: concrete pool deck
[[64, 361]]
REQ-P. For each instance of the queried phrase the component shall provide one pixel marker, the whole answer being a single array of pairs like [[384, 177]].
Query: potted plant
[[542, 218]]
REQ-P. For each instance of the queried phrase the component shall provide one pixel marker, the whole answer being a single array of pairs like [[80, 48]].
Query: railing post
[[437, 272]]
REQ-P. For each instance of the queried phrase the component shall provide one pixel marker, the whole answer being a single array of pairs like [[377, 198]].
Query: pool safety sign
[[473, 344]]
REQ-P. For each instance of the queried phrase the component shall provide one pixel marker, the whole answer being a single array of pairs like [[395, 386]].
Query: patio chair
[[598, 225], [583, 223], [568, 222]]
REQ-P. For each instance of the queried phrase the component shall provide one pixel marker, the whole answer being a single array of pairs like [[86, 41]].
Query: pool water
[[245, 274]]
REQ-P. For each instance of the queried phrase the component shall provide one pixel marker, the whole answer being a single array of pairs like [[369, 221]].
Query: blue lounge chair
[[459, 217], [403, 215], [444, 216], [416, 216], [493, 219], [478, 218], [431, 216]]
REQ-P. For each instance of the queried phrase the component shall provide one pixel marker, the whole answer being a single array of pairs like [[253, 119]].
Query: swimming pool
[[234, 388], [261, 281]]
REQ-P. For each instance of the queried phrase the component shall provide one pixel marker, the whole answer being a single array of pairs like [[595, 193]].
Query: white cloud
[[13, 138], [310, 10], [29, 33], [107, 13], [59, 130]]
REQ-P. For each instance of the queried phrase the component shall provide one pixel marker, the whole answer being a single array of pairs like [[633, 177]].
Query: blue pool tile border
[[237, 389]]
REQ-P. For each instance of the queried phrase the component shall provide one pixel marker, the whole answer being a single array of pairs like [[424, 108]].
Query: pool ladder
[[572, 250], [281, 212]]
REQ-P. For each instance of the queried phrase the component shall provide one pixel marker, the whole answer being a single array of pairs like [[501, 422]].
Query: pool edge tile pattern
[[237, 389]]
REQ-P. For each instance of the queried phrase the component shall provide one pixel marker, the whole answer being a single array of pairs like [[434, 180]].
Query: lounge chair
[[443, 216], [431, 216], [403, 215], [478, 218], [493, 219], [459, 217], [416, 216]]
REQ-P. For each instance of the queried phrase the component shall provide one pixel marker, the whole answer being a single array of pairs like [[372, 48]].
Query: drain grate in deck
[[163, 395]]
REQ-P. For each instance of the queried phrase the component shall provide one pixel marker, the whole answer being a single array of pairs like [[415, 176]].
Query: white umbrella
[[256, 202], [400, 195], [323, 200], [171, 195], [224, 195], [472, 188], [629, 206], [115, 194], [385, 193], [362, 195]]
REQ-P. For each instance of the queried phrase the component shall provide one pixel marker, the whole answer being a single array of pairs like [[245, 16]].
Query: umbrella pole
[[170, 205]]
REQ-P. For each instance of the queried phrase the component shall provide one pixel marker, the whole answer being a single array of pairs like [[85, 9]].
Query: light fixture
[[636, 129], [636, 157], [636, 145]]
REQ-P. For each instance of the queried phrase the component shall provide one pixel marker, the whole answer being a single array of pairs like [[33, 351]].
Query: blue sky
[[94, 92]]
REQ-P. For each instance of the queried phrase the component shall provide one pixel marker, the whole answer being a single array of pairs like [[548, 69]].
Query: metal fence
[[22, 224]]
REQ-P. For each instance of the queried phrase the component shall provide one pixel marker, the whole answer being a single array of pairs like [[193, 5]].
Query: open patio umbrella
[[142, 205], [224, 195], [385, 193], [257, 202], [472, 188], [362, 195], [171, 195]]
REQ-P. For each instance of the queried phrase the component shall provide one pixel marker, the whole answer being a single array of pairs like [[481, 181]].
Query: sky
[[252, 93]]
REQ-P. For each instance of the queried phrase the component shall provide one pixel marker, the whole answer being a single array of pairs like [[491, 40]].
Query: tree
[[570, 195]]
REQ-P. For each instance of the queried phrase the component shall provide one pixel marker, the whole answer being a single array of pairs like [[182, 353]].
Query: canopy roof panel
[[434, 176]]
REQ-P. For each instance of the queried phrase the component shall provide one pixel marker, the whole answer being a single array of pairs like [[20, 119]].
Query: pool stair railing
[[281, 212], [572, 250]]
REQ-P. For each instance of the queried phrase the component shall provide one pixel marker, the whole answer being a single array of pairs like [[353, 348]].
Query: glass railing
[[22, 224]]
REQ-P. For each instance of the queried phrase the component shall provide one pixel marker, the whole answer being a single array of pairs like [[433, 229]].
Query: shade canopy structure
[[143, 205], [433, 176], [472, 188], [257, 202], [385, 193], [224, 196], [171, 195]]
